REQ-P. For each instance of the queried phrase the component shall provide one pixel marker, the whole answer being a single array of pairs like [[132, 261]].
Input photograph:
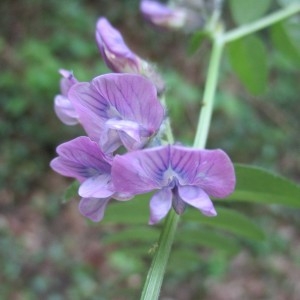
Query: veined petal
[[130, 97], [91, 108], [65, 110], [160, 205], [215, 174], [97, 187], [93, 208], [196, 197], [212, 170], [68, 168], [125, 97], [140, 171], [81, 158]]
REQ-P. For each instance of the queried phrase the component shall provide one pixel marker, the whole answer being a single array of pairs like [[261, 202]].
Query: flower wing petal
[[65, 110], [96, 187], [93, 208], [160, 205], [131, 128], [196, 197]]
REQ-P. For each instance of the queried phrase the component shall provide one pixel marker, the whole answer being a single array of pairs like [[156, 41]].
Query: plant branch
[[273, 18], [209, 92]]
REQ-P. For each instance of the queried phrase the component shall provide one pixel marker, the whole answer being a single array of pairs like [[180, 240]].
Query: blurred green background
[[47, 250]]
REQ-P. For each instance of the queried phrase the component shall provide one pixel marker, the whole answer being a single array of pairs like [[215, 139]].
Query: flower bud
[[119, 58]]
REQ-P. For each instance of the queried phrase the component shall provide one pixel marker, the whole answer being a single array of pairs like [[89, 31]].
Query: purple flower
[[161, 15], [117, 109], [118, 57], [62, 105], [83, 160], [182, 176]]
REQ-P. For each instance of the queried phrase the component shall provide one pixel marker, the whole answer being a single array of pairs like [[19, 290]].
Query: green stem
[[157, 269], [209, 92], [275, 17]]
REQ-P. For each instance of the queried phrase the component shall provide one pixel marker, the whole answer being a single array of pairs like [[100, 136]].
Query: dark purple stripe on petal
[[81, 158], [140, 171]]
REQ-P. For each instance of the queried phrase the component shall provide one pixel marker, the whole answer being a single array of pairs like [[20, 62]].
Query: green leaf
[[245, 11], [135, 211], [208, 238], [286, 38], [126, 262], [258, 185], [71, 192], [230, 221], [248, 58], [287, 2], [195, 41], [184, 259], [148, 234]]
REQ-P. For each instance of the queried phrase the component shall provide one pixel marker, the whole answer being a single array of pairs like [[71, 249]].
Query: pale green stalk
[[156, 272], [157, 269], [273, 18], [209, 92]]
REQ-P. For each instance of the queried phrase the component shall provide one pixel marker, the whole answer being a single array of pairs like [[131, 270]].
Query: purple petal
[[160, 205], [178, 204], [62, 105], [91, 108], [93, 208], [97, 187], [116, 54], [124, 97], [140, 171], [132, 129], [161, 15], [65, 110], [212, 170], [131, 97], [81, 158], [196, 197], [109, 140], [67, 81]]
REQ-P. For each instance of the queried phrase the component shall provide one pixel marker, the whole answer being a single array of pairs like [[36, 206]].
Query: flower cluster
[[121, 112]]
